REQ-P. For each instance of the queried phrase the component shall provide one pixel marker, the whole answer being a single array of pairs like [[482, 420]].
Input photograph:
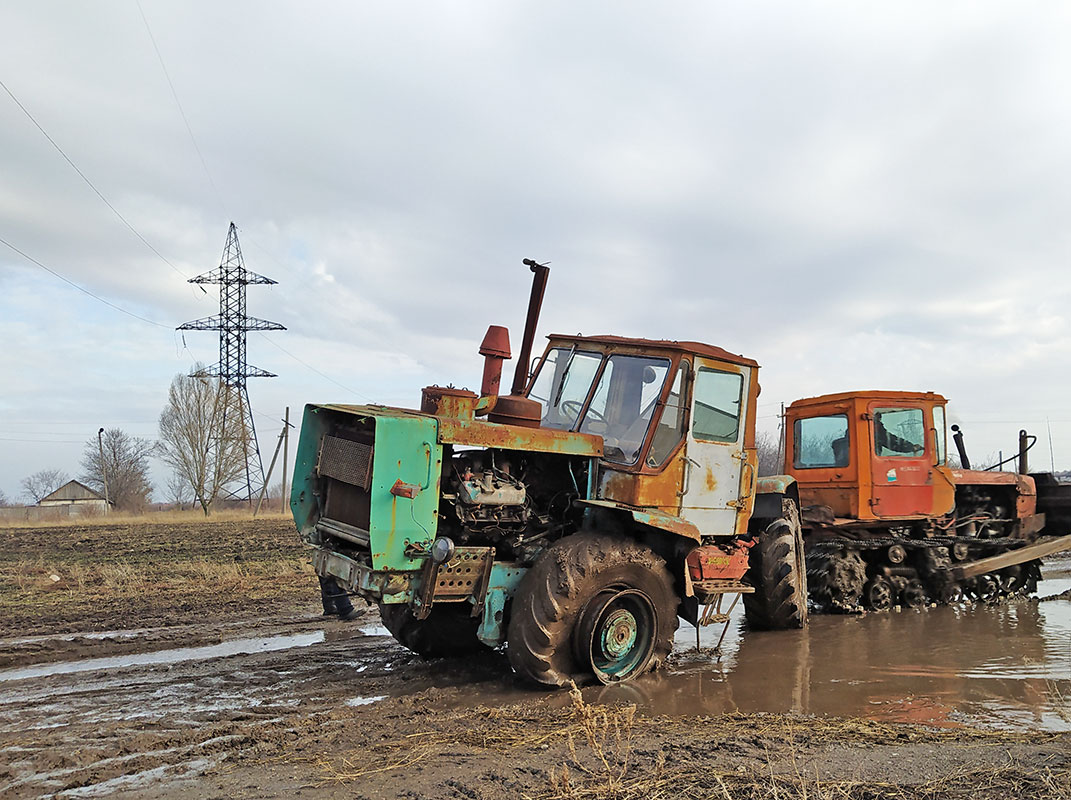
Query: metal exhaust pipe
[[535, 304]]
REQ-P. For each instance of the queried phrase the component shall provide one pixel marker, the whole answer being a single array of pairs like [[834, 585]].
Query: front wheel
[[778, 572], [592, 605], [449, 630]]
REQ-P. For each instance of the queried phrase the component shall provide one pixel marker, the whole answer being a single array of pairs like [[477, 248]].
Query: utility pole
[[284, 437], [232, 370], [103, 471], [285, 502]]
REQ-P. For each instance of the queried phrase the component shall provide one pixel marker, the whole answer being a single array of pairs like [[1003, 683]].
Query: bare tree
[[770, 460], [4, 503], [125, 467], [193, 440], [179, 491], [43, 483]]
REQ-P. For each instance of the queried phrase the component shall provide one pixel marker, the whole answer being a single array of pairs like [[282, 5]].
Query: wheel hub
[[618, 633], [615, 634]]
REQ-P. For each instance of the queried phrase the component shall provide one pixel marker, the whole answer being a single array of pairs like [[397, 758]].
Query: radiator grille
[[346, 461]]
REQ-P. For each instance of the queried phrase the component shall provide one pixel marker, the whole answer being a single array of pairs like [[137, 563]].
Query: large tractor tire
[[778, 572], [592, 605], [449, 630]]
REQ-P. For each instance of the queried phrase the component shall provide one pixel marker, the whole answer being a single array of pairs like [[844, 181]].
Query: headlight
[[442, 550]]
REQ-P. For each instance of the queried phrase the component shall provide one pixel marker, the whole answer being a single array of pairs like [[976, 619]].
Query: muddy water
[[260, 644], [1006, 666]]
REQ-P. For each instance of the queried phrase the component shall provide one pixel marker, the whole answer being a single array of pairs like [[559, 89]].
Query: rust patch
[[512, 437], [651, 517], [1024, 484], [656, 346], [710, 481], [654, 490]]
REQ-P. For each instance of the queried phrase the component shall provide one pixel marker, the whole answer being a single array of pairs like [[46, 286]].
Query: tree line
[[202, 437]]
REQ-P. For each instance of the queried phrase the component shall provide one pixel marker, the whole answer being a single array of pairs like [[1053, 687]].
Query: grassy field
[[114, 572]]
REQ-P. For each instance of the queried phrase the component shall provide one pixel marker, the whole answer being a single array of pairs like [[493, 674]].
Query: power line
[[79, 288], [311, 367], [88, 182], [182, 112]]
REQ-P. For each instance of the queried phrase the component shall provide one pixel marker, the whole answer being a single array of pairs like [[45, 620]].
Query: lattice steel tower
[[232, 323]]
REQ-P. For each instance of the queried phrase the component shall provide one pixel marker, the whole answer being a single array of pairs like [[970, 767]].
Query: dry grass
[[603, 769], [191, 516], [168, 568], [95, 580], [600, 768], [595, 752]]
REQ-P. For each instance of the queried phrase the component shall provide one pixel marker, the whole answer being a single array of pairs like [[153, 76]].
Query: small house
[[77, 498]]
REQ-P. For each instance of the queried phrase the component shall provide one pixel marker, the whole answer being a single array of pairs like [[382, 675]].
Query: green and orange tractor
[[614, 490]]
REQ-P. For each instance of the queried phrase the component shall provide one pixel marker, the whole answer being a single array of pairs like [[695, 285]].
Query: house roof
[[73, 490]]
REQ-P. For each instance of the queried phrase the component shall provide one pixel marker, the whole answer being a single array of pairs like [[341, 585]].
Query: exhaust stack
[[515, 408], [535, 304], [957, 437]]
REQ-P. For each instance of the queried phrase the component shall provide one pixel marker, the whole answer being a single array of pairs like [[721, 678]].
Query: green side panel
[[773, 484], [501, 586], [304, 504], [405, 449]]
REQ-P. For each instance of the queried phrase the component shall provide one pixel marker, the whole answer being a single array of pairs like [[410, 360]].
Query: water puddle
[[374, 630], [1004, 666], [229, 648], [364, 701]]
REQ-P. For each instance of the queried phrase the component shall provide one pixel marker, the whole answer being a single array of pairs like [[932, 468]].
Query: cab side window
[[821, 442], [717, 405], [899, 432], [670, 429]]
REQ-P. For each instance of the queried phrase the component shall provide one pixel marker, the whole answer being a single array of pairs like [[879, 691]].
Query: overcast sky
[[856, 195]]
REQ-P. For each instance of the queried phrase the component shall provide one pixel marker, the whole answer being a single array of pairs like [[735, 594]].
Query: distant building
[[77, 498]]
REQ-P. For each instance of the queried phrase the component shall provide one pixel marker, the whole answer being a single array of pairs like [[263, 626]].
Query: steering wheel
[[574, 407]]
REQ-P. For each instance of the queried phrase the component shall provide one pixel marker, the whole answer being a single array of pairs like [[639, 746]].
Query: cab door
[[901, 461], [715, 461]]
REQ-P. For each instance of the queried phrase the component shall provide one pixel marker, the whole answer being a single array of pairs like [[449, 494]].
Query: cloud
[[853, 195]]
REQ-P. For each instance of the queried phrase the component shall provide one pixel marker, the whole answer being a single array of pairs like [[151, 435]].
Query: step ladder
[[711, 595]]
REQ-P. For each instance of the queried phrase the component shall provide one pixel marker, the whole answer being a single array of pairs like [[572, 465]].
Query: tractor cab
[[870, 455], [676, 420]]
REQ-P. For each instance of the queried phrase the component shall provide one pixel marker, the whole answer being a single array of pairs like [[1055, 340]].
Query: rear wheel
[[449, 630], [778, 572], [592, 605]]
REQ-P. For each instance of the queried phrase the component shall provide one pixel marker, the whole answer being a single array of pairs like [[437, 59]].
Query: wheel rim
[[879, 595], [914, 595], [615, 634], [951, 593]]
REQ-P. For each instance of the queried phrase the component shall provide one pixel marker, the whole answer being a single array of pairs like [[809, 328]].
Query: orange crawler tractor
[[886, 521]]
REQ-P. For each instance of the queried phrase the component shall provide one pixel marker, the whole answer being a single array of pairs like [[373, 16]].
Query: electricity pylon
[[232, 322]]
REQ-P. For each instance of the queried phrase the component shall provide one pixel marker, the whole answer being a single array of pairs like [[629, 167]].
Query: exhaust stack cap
[[495, 350], [495, 342]]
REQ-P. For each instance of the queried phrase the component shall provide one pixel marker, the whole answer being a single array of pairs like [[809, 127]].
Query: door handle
[[687, 475]]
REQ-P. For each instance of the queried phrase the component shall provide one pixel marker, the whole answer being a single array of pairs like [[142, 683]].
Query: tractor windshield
[[562, 385], [622, 402]]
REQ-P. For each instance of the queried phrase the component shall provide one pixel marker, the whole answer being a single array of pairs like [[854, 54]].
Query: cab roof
[[696, 348], [870, 394]]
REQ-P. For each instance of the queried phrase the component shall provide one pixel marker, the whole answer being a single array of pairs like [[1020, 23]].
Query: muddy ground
[[190, 660]]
